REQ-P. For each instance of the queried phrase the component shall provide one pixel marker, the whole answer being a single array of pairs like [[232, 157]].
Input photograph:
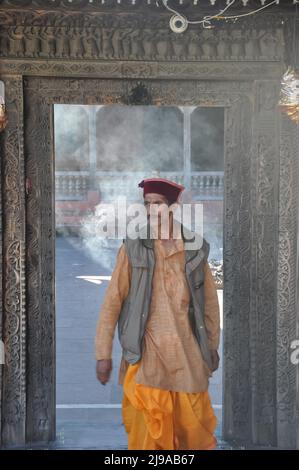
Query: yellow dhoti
[[157, 419]]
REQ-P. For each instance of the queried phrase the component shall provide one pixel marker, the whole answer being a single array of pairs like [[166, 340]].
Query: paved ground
[[89, 414], [102, 430]]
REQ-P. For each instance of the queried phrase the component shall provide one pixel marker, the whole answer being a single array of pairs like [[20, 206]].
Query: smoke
[[142, 139], [207, 139], [71, 138], [113, 148]]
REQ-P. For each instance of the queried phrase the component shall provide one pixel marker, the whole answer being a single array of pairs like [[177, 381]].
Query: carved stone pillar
[[287, 313], [237, 255], [250, 272], [297, 299], [13, 406], [264, 264], [40, 268]]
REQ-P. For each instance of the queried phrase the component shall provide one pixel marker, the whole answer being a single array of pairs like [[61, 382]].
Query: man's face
[[159, 200]]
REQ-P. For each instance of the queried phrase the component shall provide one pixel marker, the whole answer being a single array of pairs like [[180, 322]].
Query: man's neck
[[170, 231]]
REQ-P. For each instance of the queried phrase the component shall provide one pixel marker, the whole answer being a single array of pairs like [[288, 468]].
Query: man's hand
[[215, 359], [104, 368], [3, 122]]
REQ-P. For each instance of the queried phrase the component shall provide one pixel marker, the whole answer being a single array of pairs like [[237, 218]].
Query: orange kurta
[[171, 357]]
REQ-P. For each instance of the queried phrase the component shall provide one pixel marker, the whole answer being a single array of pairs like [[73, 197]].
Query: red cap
[[167, 188]]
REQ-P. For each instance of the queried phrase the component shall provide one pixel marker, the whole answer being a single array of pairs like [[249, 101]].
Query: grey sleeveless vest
[[135, 308]]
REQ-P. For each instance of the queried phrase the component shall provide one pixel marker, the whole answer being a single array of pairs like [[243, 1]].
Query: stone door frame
[[260, 233]]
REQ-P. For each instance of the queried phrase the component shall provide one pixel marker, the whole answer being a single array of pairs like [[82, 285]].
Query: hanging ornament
[[3, 115], [289, 97]]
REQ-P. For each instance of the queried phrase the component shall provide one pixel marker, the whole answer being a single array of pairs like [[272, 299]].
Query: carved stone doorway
[[40, 210], [255, 223]]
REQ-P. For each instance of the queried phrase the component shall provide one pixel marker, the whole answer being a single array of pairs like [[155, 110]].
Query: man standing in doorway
[[163, 297]]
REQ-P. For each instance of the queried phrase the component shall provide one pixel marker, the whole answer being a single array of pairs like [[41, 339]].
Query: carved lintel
[[161, 70], [77, 36]]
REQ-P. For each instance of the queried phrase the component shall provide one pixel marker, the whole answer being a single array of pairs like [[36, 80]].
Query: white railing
[[72, 185]]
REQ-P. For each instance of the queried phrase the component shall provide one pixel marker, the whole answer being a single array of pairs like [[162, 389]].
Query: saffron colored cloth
[[157, 419]]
